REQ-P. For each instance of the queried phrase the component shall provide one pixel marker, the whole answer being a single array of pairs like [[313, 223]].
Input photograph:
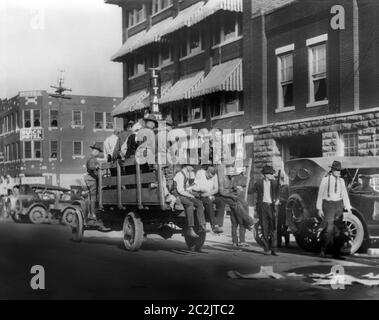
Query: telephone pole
[[59, 94]]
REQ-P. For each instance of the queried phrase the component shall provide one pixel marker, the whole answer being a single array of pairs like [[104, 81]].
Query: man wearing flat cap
[[92, 181], [331, 201], [265, 190]]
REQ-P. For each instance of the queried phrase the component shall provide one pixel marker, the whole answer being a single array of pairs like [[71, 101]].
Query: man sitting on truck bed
[[189, 202]]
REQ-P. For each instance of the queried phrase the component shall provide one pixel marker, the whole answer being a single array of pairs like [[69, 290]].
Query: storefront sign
[[31, 134]]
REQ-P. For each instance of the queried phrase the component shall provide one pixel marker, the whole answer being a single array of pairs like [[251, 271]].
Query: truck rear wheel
[[132, 232]]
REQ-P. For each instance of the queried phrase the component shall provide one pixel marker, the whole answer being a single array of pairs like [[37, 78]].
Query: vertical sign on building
[[155, 91]]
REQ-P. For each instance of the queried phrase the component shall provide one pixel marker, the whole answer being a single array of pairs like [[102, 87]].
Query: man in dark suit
[[265, 190]]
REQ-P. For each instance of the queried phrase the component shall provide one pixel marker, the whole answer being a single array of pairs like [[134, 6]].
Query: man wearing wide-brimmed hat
[[331, 201], [265, 190], [92, 181]]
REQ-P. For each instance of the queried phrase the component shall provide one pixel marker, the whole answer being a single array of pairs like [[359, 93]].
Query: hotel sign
[[31, 134]]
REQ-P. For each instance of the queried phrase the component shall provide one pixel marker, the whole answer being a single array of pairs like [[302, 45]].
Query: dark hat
[[131, 122], [96, 146], [151, 117], [337, 166], [268, 170]]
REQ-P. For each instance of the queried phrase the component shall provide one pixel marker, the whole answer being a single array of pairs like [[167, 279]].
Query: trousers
[[209, 210], [267, 220], [333, 210], [192, 205]]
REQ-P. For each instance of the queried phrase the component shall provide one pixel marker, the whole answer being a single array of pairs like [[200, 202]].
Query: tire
[[356, 232], [258, 236], [307, 236], [77, 226], [37, 215], [195, 244], [68, 216], [132, 231]]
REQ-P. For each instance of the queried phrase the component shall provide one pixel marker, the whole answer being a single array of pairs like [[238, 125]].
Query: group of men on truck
[[205, 193]]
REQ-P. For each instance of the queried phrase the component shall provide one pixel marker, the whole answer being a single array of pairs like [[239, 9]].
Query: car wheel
[[132, 232], [37, 215], [68, 216], [307, 236], [355, 232]]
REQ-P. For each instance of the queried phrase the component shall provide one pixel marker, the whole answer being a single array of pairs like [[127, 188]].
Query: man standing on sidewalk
[[265, 202], [331, 201]]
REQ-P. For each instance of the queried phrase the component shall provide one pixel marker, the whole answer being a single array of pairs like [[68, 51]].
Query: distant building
[[41, 136]]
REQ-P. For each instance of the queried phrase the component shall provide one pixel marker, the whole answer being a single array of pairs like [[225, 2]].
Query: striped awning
[[223, 77], [212, 6], [183, 88], [138, 100], [143, 38], [133, 102], [184, 18]]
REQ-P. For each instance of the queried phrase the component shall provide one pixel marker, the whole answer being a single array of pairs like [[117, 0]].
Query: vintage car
[[305, 175], [40, 203]]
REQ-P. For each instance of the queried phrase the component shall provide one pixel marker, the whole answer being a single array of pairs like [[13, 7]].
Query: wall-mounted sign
[[155, 90], [30, 93], [29, 134]]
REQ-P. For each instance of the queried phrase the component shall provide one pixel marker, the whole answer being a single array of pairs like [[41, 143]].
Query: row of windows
[[9, 123], [228, 28], [33, 150], [138, 14], [317, 71], [196, 109], [32, 118]]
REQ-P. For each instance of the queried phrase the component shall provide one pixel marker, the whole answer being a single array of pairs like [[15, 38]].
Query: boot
[[191, 233]]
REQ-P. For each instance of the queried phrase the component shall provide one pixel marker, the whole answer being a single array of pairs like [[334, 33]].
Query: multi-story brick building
[[312, 85], [308, 87], [197, 45], [42, 138]]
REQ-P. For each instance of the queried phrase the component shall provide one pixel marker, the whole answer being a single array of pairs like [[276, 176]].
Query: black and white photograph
[[192, 153]]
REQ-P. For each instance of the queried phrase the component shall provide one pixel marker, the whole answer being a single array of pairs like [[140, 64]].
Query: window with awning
[[223, 77]]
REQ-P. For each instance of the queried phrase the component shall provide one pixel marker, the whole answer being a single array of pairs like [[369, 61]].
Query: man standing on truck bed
[[331, 201], [92, 181]]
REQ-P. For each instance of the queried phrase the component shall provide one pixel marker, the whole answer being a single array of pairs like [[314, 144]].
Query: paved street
[[100, 268]]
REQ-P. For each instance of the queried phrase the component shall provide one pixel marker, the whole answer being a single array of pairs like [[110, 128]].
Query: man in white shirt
[[206, 183], [189, 202], [331, 201], [110, 145]]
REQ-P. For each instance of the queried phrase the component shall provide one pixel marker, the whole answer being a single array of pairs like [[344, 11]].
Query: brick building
[[197, 45], [313, 88], [43, 137], [308, 89]]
